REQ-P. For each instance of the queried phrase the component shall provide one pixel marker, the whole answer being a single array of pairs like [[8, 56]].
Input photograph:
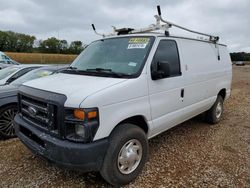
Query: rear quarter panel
[[205, 74]]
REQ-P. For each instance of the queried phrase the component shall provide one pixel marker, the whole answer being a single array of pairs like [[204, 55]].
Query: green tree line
[[240, 56], [18, 42]]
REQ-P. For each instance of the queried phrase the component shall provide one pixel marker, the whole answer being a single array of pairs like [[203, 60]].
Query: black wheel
[[7, 115], [126, 155], [213, 115]]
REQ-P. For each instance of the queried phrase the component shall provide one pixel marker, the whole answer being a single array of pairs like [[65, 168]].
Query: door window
[[167, 52]]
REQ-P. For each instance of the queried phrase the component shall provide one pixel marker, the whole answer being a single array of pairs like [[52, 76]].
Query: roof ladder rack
[[154, 27], [211, 37]]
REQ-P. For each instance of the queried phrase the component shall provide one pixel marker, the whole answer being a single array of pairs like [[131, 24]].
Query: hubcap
[[219, 109], [6, 122], [129, 156]]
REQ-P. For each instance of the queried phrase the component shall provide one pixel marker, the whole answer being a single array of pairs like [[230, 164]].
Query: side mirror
[[161, 70]]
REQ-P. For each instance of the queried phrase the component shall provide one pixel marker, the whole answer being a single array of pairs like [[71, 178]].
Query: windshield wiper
[[71, 68], [96, 71], [100, 70], [108, 71]]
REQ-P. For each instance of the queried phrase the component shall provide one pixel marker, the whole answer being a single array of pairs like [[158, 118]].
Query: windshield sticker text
[[139, 40], [138, 46]]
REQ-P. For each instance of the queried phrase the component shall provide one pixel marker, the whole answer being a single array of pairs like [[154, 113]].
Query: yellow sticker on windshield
[[138, 43], [139, 40]]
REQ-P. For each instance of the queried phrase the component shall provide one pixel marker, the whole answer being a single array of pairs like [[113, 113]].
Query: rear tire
[[126, 155], [214, 114], [7, 115]]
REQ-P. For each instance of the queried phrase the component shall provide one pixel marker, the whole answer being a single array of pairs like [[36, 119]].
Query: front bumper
[[77, 156]]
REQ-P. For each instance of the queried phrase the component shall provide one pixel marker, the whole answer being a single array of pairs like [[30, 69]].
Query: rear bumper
[[77, 156]]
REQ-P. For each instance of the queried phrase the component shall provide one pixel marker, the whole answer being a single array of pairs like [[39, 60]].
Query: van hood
[[75, 87]]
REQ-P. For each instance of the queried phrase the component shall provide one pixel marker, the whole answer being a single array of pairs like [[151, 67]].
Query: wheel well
[[222, 93], [8, 104], [137, 120]]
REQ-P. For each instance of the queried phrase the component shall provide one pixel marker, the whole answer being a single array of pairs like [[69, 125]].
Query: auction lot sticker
[[138, 43]]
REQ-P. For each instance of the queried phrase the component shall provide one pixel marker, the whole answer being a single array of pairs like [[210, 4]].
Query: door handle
[[182, 93]]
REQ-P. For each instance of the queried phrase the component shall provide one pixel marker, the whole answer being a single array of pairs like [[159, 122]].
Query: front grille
[[38, 112]]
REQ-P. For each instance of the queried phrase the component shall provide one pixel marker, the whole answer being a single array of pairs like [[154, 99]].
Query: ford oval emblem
[[32, 111]]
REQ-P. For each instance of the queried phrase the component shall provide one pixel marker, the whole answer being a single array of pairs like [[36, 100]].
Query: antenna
[[159, 10], [93, 26], [104, 35]]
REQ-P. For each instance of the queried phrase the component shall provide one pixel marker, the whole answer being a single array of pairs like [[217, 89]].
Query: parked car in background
[[240, 63], [8, 98], [6, 61], [11, 73], [3, 65]]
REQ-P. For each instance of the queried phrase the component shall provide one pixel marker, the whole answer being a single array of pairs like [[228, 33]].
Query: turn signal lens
[[92, 115], [79, 114]]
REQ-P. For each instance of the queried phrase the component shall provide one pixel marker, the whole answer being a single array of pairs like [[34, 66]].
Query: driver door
[[166, 94]]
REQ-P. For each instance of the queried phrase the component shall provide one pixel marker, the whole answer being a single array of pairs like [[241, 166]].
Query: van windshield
[[115, 57]]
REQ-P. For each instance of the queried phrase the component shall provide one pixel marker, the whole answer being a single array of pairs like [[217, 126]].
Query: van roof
[[157, 34]]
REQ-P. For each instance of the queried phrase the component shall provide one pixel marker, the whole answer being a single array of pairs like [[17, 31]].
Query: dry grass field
[[40, 58]]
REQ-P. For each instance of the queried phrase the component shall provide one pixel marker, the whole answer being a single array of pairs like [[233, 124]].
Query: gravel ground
[[193, 154]]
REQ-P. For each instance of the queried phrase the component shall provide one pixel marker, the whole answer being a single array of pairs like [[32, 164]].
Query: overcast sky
[[72, 19]]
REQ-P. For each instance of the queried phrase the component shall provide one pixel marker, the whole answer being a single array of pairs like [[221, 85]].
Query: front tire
[[214, 115], [7, 115], [126, 155]]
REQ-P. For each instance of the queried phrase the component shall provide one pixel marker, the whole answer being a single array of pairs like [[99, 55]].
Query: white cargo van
[[121, 91]]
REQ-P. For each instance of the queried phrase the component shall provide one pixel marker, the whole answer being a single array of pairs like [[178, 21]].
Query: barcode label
[[134, 46]]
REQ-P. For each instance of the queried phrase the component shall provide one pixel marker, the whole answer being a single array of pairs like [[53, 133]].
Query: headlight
[[80, 130], [81, 124]]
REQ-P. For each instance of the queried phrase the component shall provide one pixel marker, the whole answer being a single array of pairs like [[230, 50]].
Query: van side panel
[[196, 58], [206, 69], [205, 74]]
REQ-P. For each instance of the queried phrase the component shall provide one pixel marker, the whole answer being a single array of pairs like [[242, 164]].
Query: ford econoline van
[[121, 91]]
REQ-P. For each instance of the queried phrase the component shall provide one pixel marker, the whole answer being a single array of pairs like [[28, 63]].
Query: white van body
[[101, 120], [159, 102]]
